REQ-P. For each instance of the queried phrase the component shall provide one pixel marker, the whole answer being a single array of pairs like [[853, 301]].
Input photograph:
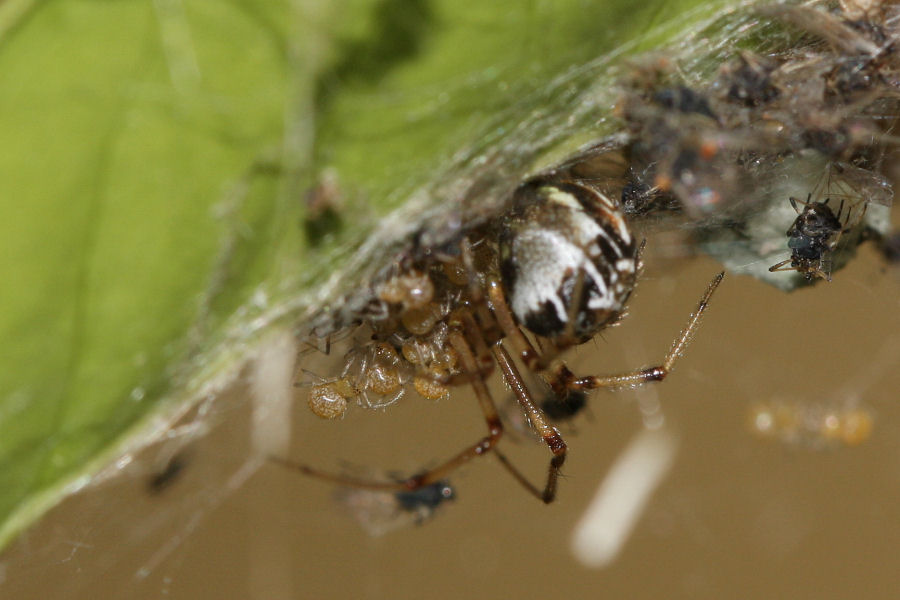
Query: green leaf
[[156, 158], [123, 124]]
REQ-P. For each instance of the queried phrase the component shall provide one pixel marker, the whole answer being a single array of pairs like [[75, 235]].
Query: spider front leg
[[562, 378]]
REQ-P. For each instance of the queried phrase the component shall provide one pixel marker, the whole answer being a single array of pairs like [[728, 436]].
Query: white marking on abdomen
[[547, 258]]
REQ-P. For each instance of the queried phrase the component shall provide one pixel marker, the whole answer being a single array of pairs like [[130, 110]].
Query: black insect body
[[381, 511], [564, 409], [426, 499], [165, 478], [750, 81], [685, 100], [834, 208], [812, 238], [814, 232], [640, 198]]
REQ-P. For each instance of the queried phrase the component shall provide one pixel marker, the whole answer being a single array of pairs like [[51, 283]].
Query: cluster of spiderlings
[[705, 145], [372, 376], [407, 325], [812, 425]]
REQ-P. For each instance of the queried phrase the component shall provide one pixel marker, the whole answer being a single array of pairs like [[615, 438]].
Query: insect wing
[[843, 181], [380, 512]]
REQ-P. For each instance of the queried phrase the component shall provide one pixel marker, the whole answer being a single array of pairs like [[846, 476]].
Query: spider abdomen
[[567, 259]]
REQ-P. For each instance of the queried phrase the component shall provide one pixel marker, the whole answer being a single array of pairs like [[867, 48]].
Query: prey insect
[[812, 238], [557, 266], [835, 208], [381, 512]]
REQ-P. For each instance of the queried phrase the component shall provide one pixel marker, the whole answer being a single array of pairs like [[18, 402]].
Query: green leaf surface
[[123, 125], [155, 161]]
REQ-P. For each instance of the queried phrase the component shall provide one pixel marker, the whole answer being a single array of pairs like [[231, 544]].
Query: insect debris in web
[[832, 213], [813, 122], [380, 512], [511, 285], [165, 478], [812, 238]]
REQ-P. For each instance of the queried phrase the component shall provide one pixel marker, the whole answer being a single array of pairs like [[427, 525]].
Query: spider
[[560, 263]]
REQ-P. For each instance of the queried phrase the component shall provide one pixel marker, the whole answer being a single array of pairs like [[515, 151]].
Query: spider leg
[[781, 266], [510, 327], [539, 421], [567, 380], [534, 360]]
